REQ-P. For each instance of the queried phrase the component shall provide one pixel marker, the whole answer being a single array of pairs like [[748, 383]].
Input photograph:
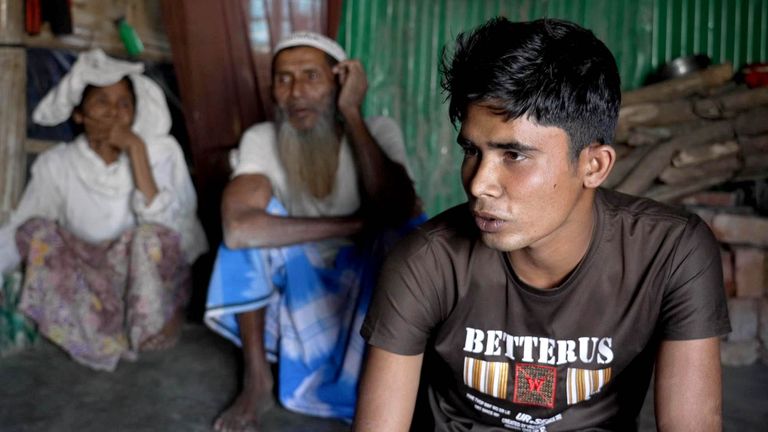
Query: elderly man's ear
[[596, 162]]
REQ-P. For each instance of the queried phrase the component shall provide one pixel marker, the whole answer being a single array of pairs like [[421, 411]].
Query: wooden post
[[13, 112]]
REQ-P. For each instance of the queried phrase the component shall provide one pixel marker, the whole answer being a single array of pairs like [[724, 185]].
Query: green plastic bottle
[[129, 37]]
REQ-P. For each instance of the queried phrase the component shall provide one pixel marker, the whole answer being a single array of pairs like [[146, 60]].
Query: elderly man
[[316, 199], [544, 302]]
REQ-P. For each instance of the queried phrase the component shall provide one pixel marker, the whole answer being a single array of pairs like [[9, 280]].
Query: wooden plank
[[36, 146], [718, 168], [712, 76], [710, 152], [669, 193], [13, 126]]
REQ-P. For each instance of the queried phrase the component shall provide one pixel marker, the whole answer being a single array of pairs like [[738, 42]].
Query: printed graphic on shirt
[[520, 422], [535, 360], [542, 350], [486, 376], [581, 384], [535, 385]]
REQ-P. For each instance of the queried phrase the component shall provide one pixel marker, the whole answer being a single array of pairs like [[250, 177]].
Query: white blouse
[[72, 185]]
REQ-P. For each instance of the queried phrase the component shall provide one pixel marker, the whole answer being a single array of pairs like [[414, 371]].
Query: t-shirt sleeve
[[390, 138], [407, 303], [256, 153], [694, 304]]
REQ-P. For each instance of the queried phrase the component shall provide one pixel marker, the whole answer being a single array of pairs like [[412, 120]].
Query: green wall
[[400, 42]]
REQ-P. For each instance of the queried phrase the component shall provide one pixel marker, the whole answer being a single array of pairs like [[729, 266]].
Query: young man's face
[[303, 84], [520, 180]]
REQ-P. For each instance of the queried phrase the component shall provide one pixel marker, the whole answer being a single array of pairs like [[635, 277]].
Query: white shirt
[[258, 154], [72, 185]]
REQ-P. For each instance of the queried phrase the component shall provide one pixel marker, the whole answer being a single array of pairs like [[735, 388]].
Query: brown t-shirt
[[500, 355]]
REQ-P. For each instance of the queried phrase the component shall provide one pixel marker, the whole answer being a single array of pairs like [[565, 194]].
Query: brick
[[748, 271], [763, 328], [740, 229], [744, 319], [739, 353], [728, 282]]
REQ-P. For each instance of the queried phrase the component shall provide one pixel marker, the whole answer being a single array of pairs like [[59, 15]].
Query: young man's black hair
[[537, 69]]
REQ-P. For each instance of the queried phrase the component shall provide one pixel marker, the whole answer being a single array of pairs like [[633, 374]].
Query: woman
[[106, 227]]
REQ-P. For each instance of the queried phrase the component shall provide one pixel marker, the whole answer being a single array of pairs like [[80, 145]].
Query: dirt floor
[[182, 389]]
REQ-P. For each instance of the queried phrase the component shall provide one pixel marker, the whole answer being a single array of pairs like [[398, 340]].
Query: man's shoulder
[[451, 231], [383, 127], [260, 131], [650, 224], [640, 208], [380, 121]]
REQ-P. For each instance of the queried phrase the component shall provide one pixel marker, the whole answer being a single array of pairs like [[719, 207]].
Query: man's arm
[[388, 391], [386, 185], [247, 224], [688, 388]]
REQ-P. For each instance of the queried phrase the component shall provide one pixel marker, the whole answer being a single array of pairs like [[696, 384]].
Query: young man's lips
[[488, 224]]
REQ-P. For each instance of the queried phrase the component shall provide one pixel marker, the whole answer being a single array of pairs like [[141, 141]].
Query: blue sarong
[[313, 318]]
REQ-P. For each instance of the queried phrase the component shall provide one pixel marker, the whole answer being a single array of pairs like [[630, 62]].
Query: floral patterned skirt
[[100, 302]]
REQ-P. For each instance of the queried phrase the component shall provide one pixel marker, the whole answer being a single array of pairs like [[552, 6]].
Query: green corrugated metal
[[400, 42]]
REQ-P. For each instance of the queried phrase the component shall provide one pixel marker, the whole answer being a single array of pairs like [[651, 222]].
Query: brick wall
[[744, 239]]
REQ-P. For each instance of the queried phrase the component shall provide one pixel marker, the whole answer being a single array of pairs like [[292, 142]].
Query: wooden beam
[[13, 111]]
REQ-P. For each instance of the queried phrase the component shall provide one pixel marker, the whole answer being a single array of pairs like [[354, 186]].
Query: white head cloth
[[314, 40], [93, 67]]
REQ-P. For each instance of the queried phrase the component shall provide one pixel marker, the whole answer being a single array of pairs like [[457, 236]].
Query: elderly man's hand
[[353, 83]]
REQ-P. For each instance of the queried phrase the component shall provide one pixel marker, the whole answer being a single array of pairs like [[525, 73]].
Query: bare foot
[[245, 412], [167, 336]]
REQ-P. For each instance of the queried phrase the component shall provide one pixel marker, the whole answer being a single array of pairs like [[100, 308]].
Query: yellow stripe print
[[487, 377], [583, 383]]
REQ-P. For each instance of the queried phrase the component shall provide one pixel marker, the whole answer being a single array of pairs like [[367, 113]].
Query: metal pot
[[680, 66]]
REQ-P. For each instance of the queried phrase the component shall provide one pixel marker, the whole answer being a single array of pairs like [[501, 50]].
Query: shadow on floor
[[184, 388]]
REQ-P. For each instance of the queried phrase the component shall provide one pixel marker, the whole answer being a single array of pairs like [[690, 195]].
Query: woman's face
[[102, 110], [106, 106]]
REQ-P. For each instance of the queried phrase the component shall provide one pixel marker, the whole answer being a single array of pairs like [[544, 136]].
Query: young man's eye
[[514, 156], [469, 151]]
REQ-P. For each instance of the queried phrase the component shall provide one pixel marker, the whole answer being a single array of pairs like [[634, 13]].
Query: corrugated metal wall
[[400, 42]]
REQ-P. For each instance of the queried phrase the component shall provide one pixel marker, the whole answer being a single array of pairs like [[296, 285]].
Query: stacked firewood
[[684, 135], [696, 141]]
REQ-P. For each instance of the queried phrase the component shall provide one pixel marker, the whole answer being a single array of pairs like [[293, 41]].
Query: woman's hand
[[118, 136]]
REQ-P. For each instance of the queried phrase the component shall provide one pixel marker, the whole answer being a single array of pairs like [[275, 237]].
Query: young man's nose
[[484, 181]]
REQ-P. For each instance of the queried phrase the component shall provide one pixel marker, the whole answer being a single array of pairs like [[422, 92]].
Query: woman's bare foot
[[245, 413], [167, 336]]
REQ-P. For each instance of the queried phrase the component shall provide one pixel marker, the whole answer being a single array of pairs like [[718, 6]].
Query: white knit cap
[[151, 118], [314, 40]]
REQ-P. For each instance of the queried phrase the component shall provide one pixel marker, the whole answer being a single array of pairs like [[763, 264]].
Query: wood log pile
[[688, 134], [702, 141]]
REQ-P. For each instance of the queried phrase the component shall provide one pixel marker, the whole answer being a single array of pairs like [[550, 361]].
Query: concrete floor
[[183, 389]]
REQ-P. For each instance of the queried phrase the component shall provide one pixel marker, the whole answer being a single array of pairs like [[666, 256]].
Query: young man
[[544, 302], [303, 187]]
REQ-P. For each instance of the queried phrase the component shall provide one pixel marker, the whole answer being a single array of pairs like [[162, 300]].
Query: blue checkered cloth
[[313, 314]]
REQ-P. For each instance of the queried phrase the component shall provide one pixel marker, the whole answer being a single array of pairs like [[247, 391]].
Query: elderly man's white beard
[[310, 157]]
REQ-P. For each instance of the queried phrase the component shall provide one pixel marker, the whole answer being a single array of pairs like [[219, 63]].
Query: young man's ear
[[598, 162]]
